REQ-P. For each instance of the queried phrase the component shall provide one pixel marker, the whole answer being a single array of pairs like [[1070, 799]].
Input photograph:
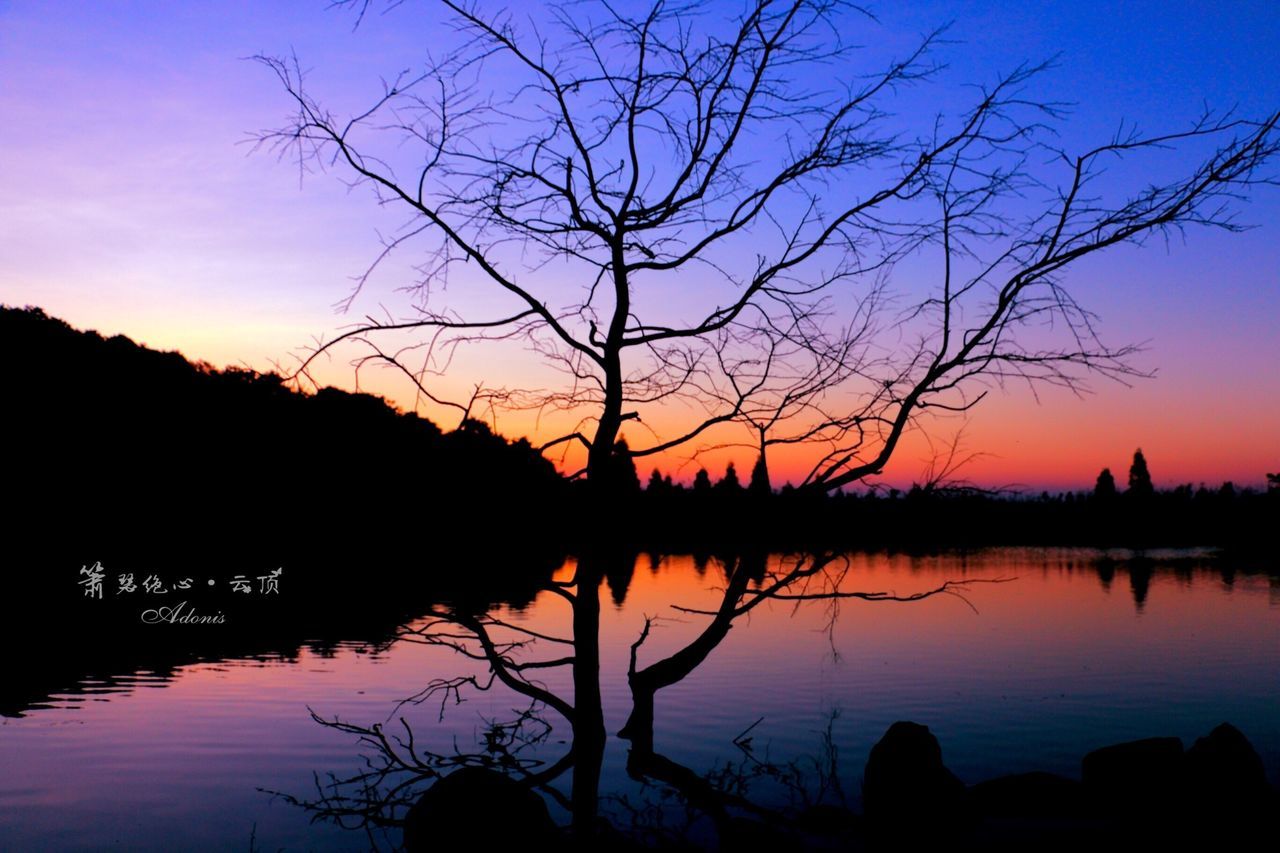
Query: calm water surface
[[1077, 651]]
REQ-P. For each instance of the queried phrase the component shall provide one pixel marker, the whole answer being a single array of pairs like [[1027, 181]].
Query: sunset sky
[[133, 202]]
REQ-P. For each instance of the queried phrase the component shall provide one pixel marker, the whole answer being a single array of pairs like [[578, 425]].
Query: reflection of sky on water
[[1051, 665]]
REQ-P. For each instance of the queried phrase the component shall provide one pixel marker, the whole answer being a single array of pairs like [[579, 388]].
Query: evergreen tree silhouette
[[625, 478], [1139, 477], [729, 483], [702, 482], [1105, 488], [760, 478]]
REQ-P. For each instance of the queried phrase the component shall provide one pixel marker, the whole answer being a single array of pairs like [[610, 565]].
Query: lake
[[1072, 650]]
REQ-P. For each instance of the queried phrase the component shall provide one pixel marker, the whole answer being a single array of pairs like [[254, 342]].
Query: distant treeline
[[921, 519], [727, 512]]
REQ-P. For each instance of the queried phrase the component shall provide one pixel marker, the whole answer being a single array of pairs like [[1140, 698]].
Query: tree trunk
[[588, 726], [645, 683]]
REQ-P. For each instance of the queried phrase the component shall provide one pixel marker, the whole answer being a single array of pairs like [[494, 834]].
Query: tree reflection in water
[[388, 794]]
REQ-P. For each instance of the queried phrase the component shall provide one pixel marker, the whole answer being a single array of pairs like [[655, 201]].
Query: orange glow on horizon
[[1061, 443]]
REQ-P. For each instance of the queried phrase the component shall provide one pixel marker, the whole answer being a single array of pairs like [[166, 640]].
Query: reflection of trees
[[737, 798], [378, 797], [1140, 571], [723, 795], [1142, 568], [801, 794], [751, 580], [510, 658]]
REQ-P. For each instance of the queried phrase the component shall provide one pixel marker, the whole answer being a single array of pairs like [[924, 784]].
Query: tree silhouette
[[1140, 486], [729, 483], [623, 478], [588, 167], [586, 163], [759, 484], [1105, 488]]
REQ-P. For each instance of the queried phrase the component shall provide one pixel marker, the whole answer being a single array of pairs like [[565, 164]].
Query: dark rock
[[1029, 795], [1223, 767], [473, 806], [906, 788], [1136, 779]]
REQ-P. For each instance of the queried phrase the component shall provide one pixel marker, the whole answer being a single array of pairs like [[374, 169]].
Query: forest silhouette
[[120, 445]]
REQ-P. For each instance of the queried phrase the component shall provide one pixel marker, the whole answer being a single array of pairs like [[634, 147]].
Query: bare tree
[[702, 216]]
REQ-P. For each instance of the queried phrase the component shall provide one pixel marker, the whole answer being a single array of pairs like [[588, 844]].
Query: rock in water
[[1137, 779], [906, 789], [1224, 769], [474, 808]]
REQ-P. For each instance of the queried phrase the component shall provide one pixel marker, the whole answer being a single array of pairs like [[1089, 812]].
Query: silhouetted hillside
[[111, 443]]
